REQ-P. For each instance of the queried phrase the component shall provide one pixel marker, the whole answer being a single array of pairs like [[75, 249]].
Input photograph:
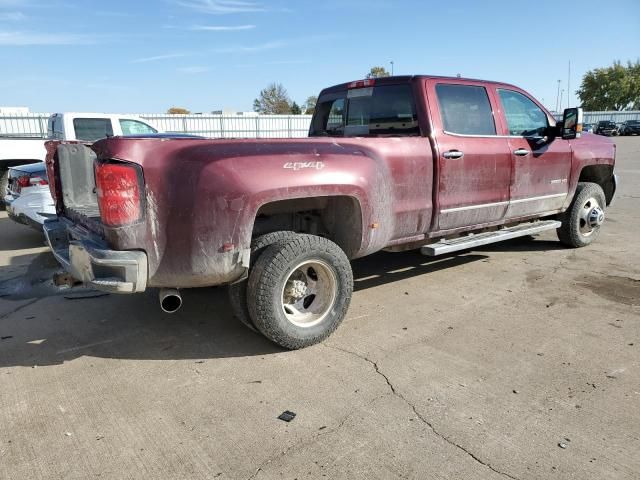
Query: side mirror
[[572, 123]]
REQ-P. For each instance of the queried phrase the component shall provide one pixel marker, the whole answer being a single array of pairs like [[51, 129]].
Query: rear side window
[[465, 109], [92, 129], [383, 110], [524, 117], [135, 127]]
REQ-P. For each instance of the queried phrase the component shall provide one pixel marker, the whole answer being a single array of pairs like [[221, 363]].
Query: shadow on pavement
[[43, 326], [16, 236]]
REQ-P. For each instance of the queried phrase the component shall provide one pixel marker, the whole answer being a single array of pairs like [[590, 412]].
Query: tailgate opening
[[78, 185]]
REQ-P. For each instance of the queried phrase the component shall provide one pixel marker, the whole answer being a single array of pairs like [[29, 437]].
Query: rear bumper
[[88, 260], [32, 207]]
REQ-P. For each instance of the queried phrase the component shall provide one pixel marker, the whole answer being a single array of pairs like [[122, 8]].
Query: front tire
[[582, 221], [299, 291]]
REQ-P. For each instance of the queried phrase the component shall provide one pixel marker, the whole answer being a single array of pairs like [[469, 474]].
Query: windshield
[[387, 110], [633, 122]]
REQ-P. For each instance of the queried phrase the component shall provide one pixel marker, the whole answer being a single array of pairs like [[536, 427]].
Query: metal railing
[[229, 126], [217, 126]]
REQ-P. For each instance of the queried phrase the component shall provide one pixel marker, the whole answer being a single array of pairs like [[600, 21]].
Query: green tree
[[310, 105], [178, 111], [273, 100], [295, 109], [611, 88], [378, 72]]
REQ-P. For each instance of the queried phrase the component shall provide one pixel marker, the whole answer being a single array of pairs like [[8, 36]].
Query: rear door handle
[[453, 154], [521, 152]]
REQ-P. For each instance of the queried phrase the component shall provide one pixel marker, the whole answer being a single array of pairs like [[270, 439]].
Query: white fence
[[218, 126], [228, 126]]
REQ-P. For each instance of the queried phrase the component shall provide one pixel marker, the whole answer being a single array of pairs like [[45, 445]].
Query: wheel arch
[[602, 175], [336, 217]]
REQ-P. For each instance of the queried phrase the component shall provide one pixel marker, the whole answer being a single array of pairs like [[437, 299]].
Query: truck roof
[[399, 79]]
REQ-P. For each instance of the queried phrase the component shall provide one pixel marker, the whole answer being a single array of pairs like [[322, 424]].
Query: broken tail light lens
[[118, 187], [29, 181]]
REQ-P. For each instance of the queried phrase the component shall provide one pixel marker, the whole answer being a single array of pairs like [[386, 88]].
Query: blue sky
[[146, 56]]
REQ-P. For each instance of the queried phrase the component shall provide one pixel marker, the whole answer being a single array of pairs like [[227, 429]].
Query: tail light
[[29, 181], [119, 187]]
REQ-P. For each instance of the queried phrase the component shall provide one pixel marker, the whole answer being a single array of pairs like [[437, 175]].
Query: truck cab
[[89, 127]]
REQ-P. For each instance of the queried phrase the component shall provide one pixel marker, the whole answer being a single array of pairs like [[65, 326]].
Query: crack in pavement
[[17, 309], [417, 414], [312, 438]]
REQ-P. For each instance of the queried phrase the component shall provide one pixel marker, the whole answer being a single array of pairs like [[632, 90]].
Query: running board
[[475, 240]]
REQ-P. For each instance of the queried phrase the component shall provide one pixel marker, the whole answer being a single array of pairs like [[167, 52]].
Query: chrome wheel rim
[[309, 293], [591, 217]]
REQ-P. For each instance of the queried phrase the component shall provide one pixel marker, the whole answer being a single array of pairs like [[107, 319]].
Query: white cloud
[[253, 48], [30, 38], [11, 16], [221, 28], [194, 70], [221, 7], [155, 58]]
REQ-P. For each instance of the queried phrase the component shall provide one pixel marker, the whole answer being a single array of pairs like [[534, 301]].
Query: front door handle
[[522, 152], [453, 154]]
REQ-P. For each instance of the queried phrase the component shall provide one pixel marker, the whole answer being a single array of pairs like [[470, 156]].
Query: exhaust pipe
[[170, 300]]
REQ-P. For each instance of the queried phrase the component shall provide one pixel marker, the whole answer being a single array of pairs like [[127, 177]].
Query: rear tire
[[299, 291], [238, 291], [582, 221]]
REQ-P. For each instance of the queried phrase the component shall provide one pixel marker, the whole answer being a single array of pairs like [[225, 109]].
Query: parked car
[[87, 127], [28, 199], [606, 127], [435, 163], [630, 127], [587, 128]]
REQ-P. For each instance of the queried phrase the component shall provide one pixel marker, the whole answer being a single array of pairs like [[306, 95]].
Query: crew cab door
[[473, 162], [541, 166]]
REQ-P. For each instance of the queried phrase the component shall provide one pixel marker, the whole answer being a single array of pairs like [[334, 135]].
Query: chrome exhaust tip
[[170, 300]]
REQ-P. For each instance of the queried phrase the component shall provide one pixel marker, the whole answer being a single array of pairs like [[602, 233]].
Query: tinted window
[[382, 110], [465, 109], [524, 117], [92, 129], [135, 127]]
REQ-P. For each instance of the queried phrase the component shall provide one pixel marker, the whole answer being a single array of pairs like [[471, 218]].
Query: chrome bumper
[[87, 260]]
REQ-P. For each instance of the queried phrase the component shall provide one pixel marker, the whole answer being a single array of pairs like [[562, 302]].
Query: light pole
[[391, 67], [558, 96], [561, 94]]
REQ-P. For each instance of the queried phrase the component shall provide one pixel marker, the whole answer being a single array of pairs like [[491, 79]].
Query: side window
[[465, 109], [92, 129], [524, 117], [135, 127]]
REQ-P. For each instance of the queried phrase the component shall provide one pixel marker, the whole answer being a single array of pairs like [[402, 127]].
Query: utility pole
[[558, 96], [391, 67], [569, 84]]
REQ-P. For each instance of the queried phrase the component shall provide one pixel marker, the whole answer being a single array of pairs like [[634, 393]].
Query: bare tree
[[273, 100], [309, 106]]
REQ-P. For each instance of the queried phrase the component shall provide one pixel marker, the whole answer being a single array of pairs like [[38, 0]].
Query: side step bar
[[475, 240]]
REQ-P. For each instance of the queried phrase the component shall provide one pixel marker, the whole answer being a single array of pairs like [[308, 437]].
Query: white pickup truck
[[29, 203]]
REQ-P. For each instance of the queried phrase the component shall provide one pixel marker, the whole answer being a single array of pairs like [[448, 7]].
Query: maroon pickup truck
[[441, 164]]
